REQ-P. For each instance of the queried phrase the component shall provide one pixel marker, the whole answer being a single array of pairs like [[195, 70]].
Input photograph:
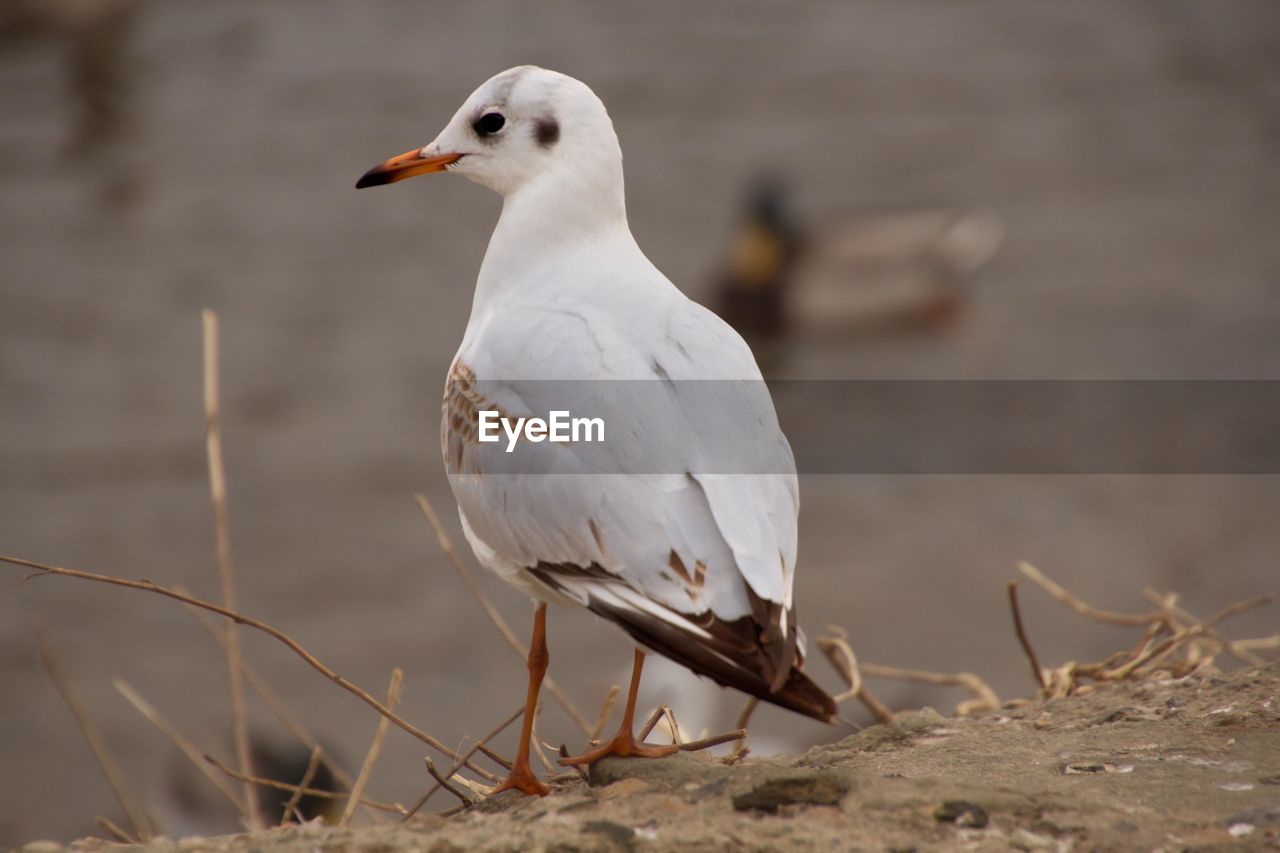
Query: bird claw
[[522, 780], [622, 746]]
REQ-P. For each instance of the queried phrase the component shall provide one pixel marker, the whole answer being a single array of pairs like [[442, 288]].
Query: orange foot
[[522, 780], [623, 746]]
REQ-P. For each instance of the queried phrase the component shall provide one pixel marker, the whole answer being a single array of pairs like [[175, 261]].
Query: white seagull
[[695, 565]]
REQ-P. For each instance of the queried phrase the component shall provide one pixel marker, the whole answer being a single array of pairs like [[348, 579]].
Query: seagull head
[[520, 128]]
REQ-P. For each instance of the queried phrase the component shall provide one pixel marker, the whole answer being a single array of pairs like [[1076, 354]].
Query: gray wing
[[695, 564]]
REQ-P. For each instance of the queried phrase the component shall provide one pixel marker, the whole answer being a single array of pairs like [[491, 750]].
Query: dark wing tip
[[733, 657], [802, 695]]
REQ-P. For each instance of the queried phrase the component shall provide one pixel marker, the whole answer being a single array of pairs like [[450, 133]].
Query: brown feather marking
[[595, 534], [548, 571], [460, 419], [699, 573], [677, 565]]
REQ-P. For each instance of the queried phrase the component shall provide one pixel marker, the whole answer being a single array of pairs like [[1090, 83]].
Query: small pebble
[[615, 832], [1265, 816], [647, 831], [1025, 839], [817, 789], [622, 788], [1090, 767], [961, 814]]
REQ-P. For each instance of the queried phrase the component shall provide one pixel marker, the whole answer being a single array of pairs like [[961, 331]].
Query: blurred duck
[[186, 804], [911, 269], [753, 288]]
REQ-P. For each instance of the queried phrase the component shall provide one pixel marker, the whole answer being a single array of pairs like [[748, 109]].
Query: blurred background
[[871, 190]]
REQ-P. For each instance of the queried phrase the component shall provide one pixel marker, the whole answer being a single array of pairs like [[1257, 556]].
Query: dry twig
[[446, 545], [840, 654], [488, 752], [179, 740], [273, 700], [479, 789], [1036, 672], [366, 769], [582, 774], [1072, 601], [294, 646], [291, 807], [714, 740], [114, 831], [669, 714], [444, 783], [222, 548], [136, 815], [650, 723], [277, 705], [692, 746], [986, 697], [497, 731], [835, 647], [1180, 631], [603, 717], [536, 743], [1181, 637], [1238, 608], [300, 789], [877, 708], [1260, 643], [743, 719]]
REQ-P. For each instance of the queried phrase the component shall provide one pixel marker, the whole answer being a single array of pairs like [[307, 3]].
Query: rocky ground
[[1192, 763]]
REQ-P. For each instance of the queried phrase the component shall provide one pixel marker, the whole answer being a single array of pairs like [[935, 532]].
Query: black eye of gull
[[488, 124]]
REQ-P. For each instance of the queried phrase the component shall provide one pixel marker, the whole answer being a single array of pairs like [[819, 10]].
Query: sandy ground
[[1131, 150], [1170, 765]]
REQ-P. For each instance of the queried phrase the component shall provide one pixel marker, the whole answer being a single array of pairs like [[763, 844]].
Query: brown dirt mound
[[1192, 762]]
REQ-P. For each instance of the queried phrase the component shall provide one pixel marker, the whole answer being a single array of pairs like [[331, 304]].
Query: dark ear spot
[[546, 131]]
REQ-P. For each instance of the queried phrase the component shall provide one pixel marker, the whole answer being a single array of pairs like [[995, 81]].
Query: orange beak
[[406, 165]]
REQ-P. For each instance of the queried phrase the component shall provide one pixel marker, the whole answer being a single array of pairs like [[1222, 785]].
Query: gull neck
[[548, 220]]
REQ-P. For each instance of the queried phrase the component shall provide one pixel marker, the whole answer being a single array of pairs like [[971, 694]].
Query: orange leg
[[624, 743], [521, 776]]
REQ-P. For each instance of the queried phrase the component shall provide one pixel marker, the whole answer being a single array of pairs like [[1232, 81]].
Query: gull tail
[[751, 654], [728, 652]]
